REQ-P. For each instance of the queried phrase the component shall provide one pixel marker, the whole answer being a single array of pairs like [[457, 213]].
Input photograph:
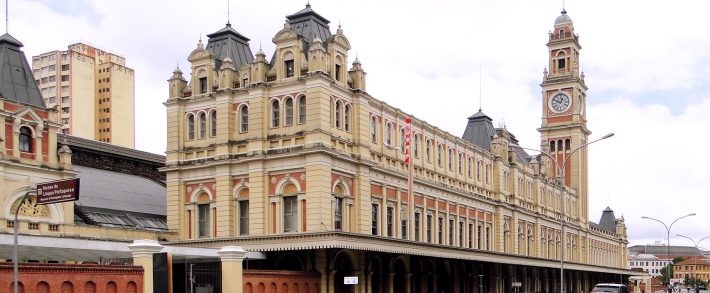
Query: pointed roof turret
[[228, 42], [608, 220], [479, 130], [309, 25], [16, 80]]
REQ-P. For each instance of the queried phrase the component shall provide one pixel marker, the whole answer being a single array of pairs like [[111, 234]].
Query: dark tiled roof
[[106, 148], [16, 80], [123, 219], [309, 24], [120, 192], [608, 220], [227, 42], [479, 130]]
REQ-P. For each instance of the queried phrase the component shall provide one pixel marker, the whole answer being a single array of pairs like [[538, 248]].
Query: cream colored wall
[[82, 95], [122, 106]]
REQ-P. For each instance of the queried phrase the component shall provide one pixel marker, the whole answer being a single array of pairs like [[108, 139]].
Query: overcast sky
[[647, 65]]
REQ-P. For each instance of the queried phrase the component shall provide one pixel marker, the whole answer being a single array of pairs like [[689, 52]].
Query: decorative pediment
[[28, 114], [199, 54], [285, 35], [341, 40]]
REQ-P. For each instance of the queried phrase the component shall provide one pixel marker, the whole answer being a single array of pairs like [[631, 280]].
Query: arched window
[[302, 110], [43, 287], [25, 139], [290, 208], [488, 177], [213, 123], [203, 124], [552, 146], [402, 138], [478, 170], [110, 287], [190, 126], [416, 145], [289, 112], [388, 134], [131, 287], [338, 68], [289, 68], [562, 33], [275, 113], [438, 155], [470, 167], [243, 210], [245, 80], [338, 197], [90, 287], [337, 114], [346, 119], [428, 150], [69, 287], [244, 119], [203, 216], [451, 159], [373, 129]]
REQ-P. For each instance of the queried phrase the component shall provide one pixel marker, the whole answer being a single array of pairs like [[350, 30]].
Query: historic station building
[[292, 157]]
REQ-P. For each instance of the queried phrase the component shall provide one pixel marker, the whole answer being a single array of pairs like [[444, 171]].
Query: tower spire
[[228, 24], [480, 87], [7, 18]]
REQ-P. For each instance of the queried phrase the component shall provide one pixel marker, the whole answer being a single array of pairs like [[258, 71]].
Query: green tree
[[667, 271]]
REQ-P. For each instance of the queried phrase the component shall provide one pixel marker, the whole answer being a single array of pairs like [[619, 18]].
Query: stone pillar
[[232, 258], [143, 251]]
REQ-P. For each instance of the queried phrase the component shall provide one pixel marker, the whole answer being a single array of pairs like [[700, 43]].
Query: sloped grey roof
[[227, 42], [16, 80], [660, 250], [563, 18], [608, 220], [479, 130], [521, 154], [103, 148], [309, 24], [123, 219], [115, 191]]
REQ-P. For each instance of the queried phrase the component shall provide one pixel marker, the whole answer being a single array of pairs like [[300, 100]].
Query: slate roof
[[16, 80], [116, 191], [227, 42], [309, 24], [608, 220], [104, 148], [479, 130]]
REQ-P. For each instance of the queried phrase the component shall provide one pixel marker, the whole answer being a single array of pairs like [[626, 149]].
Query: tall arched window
[[428, 150], [373, 129], [402, 138], [289, 69], [562, 33], [275, 113], [190, 127], [302, 110], [338, 197], [337, 114], [478, 170], [290, 208], [451, 160], [203, 216], [203, 124], [416, 145], [460, 164], [388, 134], [346, 119], [213, 123], [244, 119], [289, 112], [25, 139], [438, 155], [470, 167]]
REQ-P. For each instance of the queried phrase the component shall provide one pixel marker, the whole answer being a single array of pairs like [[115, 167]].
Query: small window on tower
[[552, 146], [561, 63], [203, 85], [288, 64], [567, 144], [562, 33]]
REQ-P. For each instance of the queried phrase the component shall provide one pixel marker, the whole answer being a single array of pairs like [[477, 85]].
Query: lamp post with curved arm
[[560, 171], [668, 238], [695, 244]]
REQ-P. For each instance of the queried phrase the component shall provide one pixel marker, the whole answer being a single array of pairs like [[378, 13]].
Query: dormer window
[[203, 85], [290, 70], [25, 139]]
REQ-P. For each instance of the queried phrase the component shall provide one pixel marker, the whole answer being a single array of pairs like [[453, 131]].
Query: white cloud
[[424, 57]]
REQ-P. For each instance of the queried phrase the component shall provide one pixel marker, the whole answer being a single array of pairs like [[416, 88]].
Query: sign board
[[517, 284], [58, 191], [350, 281]]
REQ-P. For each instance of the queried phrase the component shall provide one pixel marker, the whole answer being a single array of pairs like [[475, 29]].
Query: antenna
[[563, 5], [480, 87], [227, 12], [7, 22]]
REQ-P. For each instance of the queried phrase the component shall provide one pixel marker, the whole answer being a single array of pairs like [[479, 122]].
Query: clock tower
[[564, 123]]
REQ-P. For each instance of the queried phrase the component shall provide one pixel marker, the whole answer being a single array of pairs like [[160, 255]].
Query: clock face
[[560, 103]]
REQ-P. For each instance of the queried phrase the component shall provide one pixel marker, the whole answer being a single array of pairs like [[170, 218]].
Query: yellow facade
[[307, 149], [93, 91]]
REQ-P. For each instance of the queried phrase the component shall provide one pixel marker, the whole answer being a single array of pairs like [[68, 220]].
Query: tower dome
[[563, 18]]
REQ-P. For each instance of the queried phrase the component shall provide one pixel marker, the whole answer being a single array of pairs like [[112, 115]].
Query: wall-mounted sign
[[350, 281], [58, 191]]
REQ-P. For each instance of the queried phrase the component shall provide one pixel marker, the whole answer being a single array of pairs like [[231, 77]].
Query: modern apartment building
[[93, 91]]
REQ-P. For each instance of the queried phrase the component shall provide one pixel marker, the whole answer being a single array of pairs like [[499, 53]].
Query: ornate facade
[[293, 157]]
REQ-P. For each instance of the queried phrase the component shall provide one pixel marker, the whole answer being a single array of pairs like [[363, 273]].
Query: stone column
[[143, 251], [232, 258]]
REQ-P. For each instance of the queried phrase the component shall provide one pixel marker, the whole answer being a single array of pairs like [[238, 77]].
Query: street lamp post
[[668, 239], [560, 171], [695, 244]]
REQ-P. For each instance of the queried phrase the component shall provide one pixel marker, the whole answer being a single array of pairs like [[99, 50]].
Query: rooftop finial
[[7, 21], [308, 4], [563, 7], [480, 88], [228, 24]]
